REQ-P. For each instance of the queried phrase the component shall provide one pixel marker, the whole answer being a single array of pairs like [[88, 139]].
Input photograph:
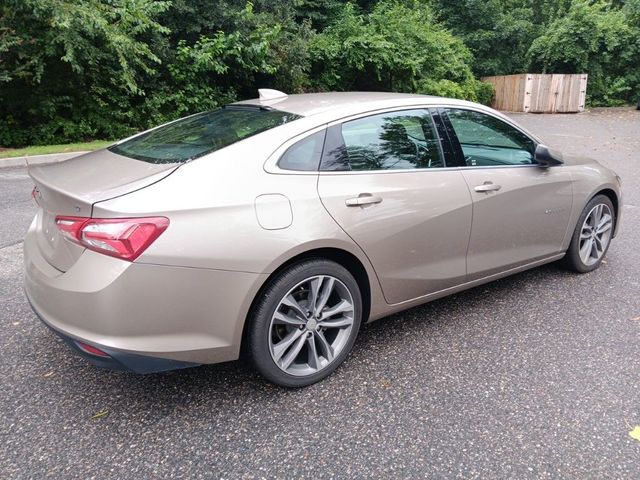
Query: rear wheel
[[305, 324], [592, 235]]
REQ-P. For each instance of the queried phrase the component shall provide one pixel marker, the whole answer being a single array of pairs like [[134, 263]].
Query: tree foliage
[[395, 47], [68, 68], [498, 32], [596, 38], [80, 69]]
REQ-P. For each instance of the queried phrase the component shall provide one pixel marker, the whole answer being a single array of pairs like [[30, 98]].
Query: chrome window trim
[[271, 164], [409, 170]]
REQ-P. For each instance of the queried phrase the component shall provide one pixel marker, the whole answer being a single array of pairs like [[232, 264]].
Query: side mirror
[[545, 157]]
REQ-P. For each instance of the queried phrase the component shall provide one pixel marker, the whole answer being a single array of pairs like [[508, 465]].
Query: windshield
[[199, 134]]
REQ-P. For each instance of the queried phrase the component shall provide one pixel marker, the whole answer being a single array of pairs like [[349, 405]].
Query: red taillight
[[85, 347], [70, 226], [124, 238]]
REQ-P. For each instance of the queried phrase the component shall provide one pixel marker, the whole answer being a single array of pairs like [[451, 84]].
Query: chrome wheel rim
[[311, 325], [595, 234]]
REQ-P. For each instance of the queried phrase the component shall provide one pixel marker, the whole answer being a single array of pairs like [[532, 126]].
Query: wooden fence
[[539, 93]]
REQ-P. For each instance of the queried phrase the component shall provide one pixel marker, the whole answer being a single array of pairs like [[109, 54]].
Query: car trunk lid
[[71, 188]]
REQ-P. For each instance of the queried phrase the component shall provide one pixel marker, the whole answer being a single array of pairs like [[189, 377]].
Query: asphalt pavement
[[532, 376]]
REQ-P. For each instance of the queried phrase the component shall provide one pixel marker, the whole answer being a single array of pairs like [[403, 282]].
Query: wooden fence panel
[[540, 93], [583, 92], [572, 95], [512, 92]]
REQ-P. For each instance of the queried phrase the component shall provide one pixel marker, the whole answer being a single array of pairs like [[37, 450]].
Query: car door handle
[[362, 199], [487, 187]]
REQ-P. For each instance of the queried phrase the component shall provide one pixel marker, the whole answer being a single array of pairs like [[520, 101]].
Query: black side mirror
[[545, 157]]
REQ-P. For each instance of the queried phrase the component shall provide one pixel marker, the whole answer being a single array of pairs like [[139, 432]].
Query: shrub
[[597, 39], [398, 46]]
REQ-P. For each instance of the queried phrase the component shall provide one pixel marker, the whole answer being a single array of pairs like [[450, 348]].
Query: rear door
[[520, 210], [384, 180]]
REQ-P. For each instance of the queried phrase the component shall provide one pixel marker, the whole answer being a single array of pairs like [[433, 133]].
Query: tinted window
[[304, 155], [390, 141], [200, 134], [486, 140]]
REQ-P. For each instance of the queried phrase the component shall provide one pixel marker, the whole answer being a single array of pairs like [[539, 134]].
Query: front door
[[520, 210], [382, 179]]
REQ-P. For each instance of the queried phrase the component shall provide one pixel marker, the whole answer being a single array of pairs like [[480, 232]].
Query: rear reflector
[[91, 350], [124, 238]]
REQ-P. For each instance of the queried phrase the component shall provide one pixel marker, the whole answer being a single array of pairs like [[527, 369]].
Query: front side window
[[199, 134], [488, 141], [399, 140]]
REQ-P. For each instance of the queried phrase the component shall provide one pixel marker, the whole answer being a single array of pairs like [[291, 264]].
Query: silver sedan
[[275, 227]]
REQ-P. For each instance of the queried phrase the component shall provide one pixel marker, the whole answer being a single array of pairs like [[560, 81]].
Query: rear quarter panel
[[211, 204]]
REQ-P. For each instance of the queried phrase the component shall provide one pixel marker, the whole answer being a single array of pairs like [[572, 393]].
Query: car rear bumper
[[116, 360], [145, 317]]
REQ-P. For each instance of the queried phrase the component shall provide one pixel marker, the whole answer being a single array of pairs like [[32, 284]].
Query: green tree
[[115, 66], [79, 69], [250, 50], [64, 63], [396, 47], [320, 13], [498, 32], [595, 38]]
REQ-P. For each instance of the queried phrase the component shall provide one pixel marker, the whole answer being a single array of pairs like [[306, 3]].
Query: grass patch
[[45, 149]]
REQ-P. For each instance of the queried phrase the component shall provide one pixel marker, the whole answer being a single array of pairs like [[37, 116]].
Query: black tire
[[259, 326], [572, 259]]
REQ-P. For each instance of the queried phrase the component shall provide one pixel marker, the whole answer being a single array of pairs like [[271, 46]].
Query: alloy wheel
[[311, 325], [595, 234]]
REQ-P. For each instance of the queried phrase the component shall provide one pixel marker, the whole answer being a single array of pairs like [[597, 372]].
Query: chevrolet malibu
[[277, 226]]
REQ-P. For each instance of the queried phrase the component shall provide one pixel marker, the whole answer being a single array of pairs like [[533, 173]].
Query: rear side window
[[405, 139], [199, 134], [304, 155]]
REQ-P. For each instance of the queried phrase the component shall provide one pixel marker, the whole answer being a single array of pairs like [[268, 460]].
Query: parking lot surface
[[532, 376]]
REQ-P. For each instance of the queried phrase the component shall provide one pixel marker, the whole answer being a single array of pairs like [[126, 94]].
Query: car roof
[[327, 107], [345, 103]]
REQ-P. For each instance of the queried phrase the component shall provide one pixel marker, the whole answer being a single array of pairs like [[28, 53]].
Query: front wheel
[[592, 235], [305, 323]]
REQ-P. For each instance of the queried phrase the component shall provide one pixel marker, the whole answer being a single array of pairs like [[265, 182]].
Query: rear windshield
[[199, 134]]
